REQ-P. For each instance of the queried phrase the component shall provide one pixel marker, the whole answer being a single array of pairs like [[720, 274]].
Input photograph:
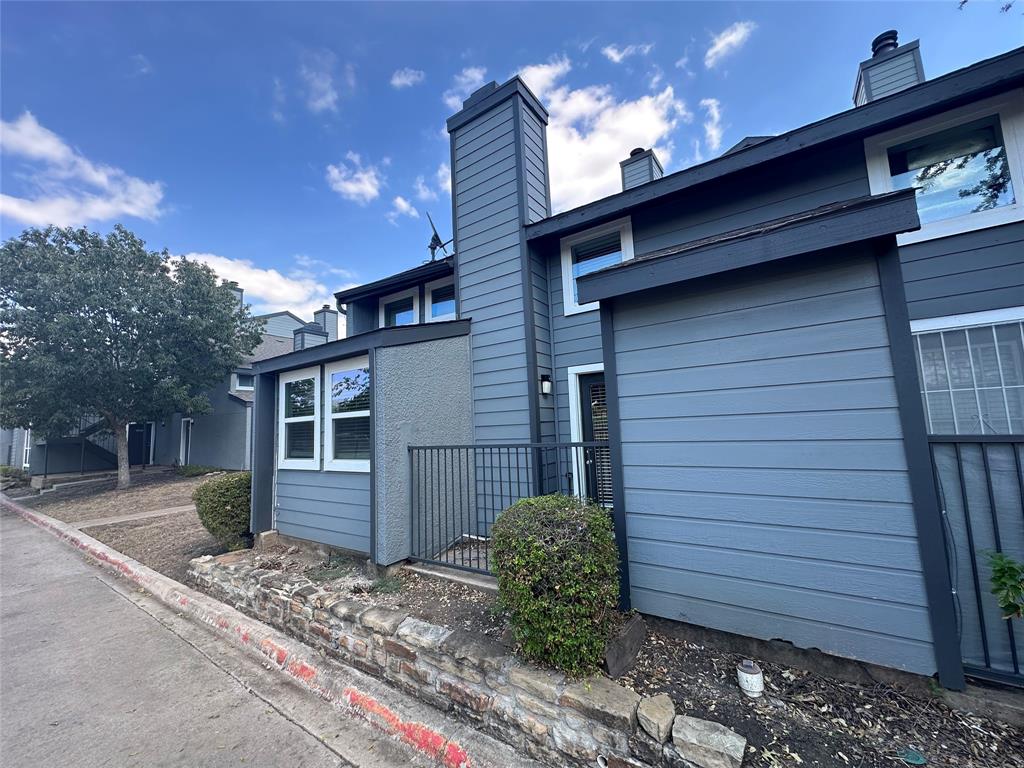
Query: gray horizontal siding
[[488, 189], [765, 482], [972, 272], [328, 507], [893, 75]]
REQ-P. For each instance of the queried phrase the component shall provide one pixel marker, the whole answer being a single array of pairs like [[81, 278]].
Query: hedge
[[223, 505], [558, 578]]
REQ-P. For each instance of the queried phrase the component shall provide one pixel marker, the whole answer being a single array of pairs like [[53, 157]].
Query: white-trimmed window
[[298, 425], [400, 309], [347, 396], [967, 165], [245, 382], [440, 298], [26, 453], [589, 251], [971, 369]]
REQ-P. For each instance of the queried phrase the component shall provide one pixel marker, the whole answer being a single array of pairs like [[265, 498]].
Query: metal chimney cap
[[637, 151], [887, 41]]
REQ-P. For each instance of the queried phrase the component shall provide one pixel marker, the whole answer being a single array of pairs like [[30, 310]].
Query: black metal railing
[[458, 491], [981, 491]]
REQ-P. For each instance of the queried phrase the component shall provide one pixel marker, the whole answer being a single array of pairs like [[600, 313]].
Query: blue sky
[[297, 147]]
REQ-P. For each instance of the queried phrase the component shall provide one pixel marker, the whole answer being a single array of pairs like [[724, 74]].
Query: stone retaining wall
[[561, 722]]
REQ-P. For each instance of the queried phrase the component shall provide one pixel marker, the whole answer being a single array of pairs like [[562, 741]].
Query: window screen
[[399, 312], [973, 379], [592, 255], [442, 301]]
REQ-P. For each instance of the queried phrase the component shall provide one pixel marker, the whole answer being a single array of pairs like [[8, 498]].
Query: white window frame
[[623, 226], [239, 387], [385, 300], [429, 300], [285, 378], [330, 463], [182, 457], [1009, 108], [576, 418]]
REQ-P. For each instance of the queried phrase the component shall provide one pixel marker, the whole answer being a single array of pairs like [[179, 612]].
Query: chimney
[[499, 186], [891, 69], [308, 335], [232, 286], [640, 167], [327, 319]]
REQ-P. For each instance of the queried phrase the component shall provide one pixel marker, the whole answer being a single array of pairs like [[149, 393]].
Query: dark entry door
[[140, 439], [597, 476]]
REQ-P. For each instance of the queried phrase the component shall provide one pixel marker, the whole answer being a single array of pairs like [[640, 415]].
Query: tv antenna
[[436, 242]]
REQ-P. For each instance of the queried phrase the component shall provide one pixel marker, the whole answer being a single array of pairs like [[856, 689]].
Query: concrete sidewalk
[[94, 672]]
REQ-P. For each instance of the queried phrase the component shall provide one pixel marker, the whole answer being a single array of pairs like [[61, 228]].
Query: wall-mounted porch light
[[546, 386]]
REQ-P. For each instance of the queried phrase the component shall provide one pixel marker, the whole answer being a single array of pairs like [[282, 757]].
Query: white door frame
[[576, 419], [182, 458]]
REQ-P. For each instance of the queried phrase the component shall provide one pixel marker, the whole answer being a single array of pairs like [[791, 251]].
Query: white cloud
[[712, 123], [617, 55], [317, 72], [141, 65], [654, 77], [407, 77], [444, 177], [66, 187], [463, 84], [423, 191], [277, 110], [590, 130], [355, 181], [728, 41], [301, 291], [401, 207]]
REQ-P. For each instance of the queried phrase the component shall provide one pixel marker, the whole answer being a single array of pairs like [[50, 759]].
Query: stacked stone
[[537, 711]]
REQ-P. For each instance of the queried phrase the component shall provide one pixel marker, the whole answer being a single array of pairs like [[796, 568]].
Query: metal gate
[[457, 491], [981, 490]]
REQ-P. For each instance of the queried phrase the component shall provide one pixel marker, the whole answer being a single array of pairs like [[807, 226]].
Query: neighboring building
[[15, 447], [221, 438], [773, 346]]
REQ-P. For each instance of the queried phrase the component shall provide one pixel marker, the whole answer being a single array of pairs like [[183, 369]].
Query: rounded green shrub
[[558, 579], [223, 505]]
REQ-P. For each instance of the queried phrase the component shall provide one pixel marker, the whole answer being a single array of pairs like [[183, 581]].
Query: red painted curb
[[286, 655]]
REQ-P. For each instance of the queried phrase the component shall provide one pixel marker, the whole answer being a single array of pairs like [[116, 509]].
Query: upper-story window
[[400, 309], [965, 164], [971, 370], [299, 419], [440, 300], [589, 251], [245, 381], [347, 397]]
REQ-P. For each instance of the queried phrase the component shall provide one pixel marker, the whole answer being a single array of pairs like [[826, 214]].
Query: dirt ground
[[804, 719], [92, 500], [165, 543]]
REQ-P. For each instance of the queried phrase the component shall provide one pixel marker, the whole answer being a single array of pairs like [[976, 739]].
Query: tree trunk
[[124, 478]]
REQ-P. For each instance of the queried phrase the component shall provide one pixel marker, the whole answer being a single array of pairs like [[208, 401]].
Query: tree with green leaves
[[94, 326]]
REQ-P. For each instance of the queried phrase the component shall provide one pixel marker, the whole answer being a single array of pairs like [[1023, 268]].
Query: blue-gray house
[[797, 383]]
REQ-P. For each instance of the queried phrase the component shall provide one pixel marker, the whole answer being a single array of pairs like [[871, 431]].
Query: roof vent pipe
[[884, 42]]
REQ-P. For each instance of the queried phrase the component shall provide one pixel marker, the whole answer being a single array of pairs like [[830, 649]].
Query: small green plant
[[196, 470], [558, 579], [223, 505], [334, 567], [1008, 584], [14, 473]]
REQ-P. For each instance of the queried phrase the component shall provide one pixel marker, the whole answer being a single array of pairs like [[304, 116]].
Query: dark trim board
[[999, 73], [262, 460], [361, 343], [432, 270], [372, 363], [611, 388], [817, 230], [927, 512]]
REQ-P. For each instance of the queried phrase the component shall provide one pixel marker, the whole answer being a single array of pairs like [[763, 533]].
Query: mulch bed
[[803, 719]]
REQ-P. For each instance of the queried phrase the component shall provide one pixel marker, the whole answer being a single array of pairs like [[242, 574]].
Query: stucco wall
[[421, 397]]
